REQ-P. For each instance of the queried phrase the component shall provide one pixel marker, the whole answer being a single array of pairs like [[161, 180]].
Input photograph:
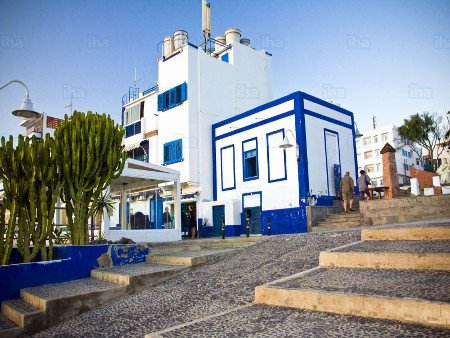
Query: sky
[[390, 59]]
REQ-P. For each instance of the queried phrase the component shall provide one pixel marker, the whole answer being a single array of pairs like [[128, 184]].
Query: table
[[379, 190]]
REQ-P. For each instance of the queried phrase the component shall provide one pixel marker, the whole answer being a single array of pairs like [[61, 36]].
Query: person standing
[[347, 190], [193, 222], [363, 184], [167, 219]]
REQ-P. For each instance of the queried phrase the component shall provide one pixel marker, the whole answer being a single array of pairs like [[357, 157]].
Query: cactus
[[31, 185], [89, 154]]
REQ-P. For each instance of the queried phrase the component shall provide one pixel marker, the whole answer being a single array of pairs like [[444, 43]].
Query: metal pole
[[92, 228], [268, 226], [248, 227], [223, 227]]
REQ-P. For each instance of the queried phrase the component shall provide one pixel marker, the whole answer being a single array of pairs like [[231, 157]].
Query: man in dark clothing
[[167, 220], [193, 221]]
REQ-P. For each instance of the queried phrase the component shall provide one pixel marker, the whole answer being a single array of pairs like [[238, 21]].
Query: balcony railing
[[148, 91]]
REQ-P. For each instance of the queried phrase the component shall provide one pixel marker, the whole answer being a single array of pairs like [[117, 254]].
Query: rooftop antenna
[[135, 69], [206, 20], [71, 104], [374, 122]]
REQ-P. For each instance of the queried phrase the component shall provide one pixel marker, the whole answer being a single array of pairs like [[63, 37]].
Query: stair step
[[349, 215], [138, 275], [405, 295], [8, 328], [413, 233], [421, 255], [65, 300], [22, 313], [340, 225], [189, 258]]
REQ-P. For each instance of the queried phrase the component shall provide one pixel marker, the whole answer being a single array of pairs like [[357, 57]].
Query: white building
[[257, 179], [170, 124], [369, 159]]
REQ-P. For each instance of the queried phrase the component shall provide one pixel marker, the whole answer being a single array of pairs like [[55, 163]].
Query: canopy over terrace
[[141, 176]]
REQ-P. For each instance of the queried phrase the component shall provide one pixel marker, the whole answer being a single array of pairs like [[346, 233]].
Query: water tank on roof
[[220, 43], [232, 35], [167, 46], [180, 38], [245, 42]]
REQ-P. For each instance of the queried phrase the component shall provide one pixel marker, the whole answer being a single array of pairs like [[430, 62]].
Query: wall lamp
[[357, 132], [26, 109], [287, 144]]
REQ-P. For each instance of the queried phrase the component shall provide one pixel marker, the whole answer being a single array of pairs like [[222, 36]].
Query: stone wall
[[425, 178]]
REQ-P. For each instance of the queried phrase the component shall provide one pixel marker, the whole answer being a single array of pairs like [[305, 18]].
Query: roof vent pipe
[[245, 42], [180, 38], [168, 46]]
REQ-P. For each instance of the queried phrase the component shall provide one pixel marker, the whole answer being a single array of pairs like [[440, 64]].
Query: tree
[[427, 130], [90, 155]]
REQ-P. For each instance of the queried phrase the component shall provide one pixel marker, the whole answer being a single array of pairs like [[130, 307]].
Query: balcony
[[133, 129]]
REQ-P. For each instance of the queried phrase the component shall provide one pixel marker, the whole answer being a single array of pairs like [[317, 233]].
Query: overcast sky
[[385, 58]]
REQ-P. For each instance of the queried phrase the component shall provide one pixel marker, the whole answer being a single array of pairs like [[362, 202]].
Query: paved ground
[[399, 247], [197, 253], [429, 285], [228, 284]]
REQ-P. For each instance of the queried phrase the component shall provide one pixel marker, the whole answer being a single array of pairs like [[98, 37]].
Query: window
[[369, 168], [367, 141], [375, 139], [133, 129], [368, 154], [406, 167], [377, 152], [384, 137], [173, 152], [378, 166], [132, 114], [172, 97], [250, 159]]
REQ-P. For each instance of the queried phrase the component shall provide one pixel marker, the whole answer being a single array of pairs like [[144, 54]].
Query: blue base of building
[[75, 262], [284, 221]]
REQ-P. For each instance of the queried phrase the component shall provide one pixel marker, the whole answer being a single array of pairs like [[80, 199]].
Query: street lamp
[[26, 109], [287, 144], [357, 132]]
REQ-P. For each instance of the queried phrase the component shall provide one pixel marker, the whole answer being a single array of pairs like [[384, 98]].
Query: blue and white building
[[254, 177]]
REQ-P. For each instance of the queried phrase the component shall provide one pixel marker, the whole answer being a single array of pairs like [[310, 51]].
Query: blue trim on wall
[[243, 160], [234, 168], [214, 164], [355, 158], [325, 130], [268, 157], [326, 118], [300, 135], [257, 124], [326, 104], [284, 221]]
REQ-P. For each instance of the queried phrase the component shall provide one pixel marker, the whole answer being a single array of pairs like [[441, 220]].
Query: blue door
[[218, 213], [156, 212]]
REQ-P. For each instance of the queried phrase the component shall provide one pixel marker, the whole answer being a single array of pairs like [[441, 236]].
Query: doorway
[[254, 215], [218, 213], [332, 159]]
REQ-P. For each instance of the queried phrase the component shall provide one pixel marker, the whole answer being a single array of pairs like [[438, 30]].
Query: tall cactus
[[90, 154], [31, 185]]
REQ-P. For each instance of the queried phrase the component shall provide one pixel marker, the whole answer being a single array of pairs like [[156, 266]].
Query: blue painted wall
[[75, 262]]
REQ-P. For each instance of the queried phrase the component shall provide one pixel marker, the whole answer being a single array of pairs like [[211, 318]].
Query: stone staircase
[[342, 220], [43, 306], [397, 273]]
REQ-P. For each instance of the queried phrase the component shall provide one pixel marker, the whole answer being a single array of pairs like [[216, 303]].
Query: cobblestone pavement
[[429, 285], [205, 290], [399, 247], [71, 288], [270, 321], [197, 253], [141, 268]]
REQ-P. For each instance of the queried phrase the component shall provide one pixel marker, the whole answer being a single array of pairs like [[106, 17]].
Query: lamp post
[[26, 109], [357, 132], [287, 144]]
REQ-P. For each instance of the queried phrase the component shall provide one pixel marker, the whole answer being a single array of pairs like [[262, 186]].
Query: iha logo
[[96, 42], [70, 91], [245, 92], [357, 42], [8, 42], [441, 42], [331, 92], [418, 92]]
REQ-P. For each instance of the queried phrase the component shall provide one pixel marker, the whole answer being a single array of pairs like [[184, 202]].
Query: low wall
[[425, 178], [75, 262], [314, 214]]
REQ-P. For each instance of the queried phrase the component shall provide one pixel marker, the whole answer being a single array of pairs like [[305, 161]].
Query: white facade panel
[[250, 201], [316, 150], [276, 156], [227, 163], [325, 111]]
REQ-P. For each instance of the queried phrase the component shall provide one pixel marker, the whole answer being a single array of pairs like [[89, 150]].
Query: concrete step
[[402, 217], [409, 296], [205, 244], [137, 276], [413, 233], [65, 300], [344, 216], [419, 255], [23, 314], [338, 225], [8, 329], [189, 258]]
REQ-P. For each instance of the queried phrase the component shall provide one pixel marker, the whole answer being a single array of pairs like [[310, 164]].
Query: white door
[[332, 153]]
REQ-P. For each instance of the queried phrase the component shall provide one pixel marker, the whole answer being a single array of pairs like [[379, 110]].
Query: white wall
[[232, 211], [276, 195]]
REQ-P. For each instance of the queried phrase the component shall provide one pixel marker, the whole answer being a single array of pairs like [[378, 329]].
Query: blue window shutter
[[166, 153], [160, 102], [179, 150], [173, 97], [183, 92]]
